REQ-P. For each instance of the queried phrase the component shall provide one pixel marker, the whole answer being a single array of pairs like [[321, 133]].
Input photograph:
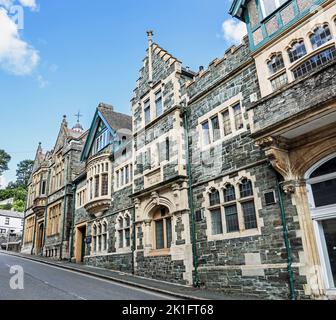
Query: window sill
[[158, 253], [235, 235], [277, 74], [223, 139]]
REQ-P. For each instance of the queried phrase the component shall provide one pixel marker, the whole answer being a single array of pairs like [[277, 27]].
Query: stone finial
[[64, 121], [150, 35]]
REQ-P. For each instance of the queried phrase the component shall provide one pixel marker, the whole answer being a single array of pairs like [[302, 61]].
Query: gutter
[[74, 190], [286, 238], [64, 206], [46, 212], [196, 281]]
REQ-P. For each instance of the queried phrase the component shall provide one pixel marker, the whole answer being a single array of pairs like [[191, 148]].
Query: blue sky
[[91, 52]]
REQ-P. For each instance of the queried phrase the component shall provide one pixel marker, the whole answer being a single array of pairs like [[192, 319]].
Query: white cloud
[[3, 182], [25, 3], [42, 82], [16, 56], [29, 3], [234, 31]]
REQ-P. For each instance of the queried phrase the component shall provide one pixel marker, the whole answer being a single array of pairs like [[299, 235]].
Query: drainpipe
[[196, 281], [134, 242], [46, 211], [65, 205], [74, 191], [33, 246], [287, 242]]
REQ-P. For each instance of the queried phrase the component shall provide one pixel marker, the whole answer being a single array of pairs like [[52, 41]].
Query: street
[[44, 282]]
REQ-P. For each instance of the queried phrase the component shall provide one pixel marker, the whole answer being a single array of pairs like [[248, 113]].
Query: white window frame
[[319, 215], [263, 7], [242, 233], [219, 112]]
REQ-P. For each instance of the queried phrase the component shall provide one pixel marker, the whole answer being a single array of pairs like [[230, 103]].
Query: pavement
[[63, 280]]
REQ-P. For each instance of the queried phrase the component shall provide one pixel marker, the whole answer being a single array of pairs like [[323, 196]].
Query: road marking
[[166, 296]]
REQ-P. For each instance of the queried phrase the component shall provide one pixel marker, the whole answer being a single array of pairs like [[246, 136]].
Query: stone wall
[[247, 264], [160, 268], [296, 98]]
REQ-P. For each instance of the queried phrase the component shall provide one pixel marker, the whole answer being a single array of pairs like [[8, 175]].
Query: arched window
[[324, 190], [297, 50], [246, 189], [320, 36], [321, 183], [276, 63], [104, 237], [124, 231], [163, 229], [214, 198], [229, 193], [310, 64], [99, 237]]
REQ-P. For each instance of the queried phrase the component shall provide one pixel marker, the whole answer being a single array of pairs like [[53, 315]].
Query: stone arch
[[156, 203], [316, 154]]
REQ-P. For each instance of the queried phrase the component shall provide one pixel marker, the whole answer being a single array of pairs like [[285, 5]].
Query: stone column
[[312, 268]]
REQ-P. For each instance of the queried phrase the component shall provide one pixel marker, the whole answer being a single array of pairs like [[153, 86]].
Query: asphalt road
[[44, 282]]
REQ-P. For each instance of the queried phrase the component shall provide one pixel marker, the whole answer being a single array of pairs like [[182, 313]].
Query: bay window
[[269, 6]]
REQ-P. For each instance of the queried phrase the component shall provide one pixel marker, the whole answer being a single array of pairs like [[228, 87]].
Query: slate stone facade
[[223, 263]]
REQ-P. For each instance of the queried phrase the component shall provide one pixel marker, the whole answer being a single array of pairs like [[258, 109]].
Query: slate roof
[[115, 120], [11, 214]]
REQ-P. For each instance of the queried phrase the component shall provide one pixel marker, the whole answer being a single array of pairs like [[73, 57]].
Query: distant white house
[[7, 201], [11, 221]]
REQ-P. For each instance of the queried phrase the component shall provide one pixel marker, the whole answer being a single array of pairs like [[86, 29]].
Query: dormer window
[[269, 6]]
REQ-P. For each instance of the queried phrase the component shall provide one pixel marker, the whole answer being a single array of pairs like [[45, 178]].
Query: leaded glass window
[[297, 51], [249, 212], [314, 62], [215, 128], [320, 36], [276, 63], [216, 222], [246, 189], [231, 214], [229, 193], [238, 116], [214, 198]]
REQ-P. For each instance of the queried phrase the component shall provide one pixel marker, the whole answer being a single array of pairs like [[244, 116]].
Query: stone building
[[49, 206], [293, 45], [240, 243], [160, 190], [103, 219], [223, 179]]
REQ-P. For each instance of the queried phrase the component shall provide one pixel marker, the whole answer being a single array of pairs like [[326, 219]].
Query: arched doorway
[[321, 183], [40, 237]]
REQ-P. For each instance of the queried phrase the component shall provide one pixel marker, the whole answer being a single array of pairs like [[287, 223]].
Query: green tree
[[7, 207], [19, 205], [23, 172], [4, 160]]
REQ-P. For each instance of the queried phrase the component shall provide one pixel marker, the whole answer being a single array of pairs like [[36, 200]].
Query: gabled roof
[[114, 121], [39, 159], [237, 9], [11, 214]]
